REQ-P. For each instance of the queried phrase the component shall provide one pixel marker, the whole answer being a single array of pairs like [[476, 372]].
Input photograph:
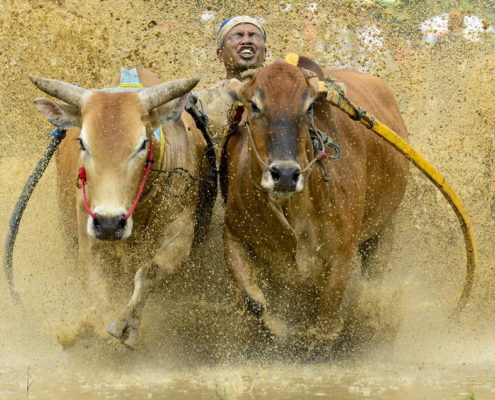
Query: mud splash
[[196, 342]]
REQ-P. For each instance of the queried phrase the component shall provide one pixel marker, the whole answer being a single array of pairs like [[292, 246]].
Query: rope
[[256, 153], [82, 177], [149, 163], [184, 173], [320, 155], [57, 136]]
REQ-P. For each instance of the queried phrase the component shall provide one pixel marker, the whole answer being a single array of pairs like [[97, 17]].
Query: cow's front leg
[[125, 327], [238, 261], [90, 319], [331, 294], [173, 252]]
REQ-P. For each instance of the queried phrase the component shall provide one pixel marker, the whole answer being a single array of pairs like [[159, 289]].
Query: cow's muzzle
[[109, 228], [283, 177]]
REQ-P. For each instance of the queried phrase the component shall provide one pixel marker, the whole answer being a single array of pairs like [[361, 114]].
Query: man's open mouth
[[247, 52]]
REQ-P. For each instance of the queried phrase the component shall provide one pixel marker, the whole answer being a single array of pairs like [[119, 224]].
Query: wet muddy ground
[[196, 343]]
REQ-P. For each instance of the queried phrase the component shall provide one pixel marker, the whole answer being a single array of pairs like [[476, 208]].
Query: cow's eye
[[254, 107], [81, 144], [143, 146], [310, 111]]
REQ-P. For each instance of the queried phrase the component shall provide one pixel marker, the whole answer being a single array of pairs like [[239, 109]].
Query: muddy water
[[196, 342]]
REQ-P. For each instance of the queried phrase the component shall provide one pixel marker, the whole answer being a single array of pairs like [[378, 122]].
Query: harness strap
[[201, 122]]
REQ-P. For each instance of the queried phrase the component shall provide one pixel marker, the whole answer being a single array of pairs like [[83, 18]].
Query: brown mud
[[196, 342]]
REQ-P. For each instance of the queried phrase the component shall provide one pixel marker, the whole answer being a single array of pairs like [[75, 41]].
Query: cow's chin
[[279, 196]]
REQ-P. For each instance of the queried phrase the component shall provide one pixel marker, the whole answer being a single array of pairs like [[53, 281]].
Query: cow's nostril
[[97, 225], [286, 176], [275, 174], [122, 222]]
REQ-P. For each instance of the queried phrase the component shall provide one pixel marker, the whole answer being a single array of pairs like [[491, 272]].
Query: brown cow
[[111, 135], [290, 236]]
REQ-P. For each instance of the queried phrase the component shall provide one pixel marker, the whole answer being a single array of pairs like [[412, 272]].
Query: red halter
[[82, 177]]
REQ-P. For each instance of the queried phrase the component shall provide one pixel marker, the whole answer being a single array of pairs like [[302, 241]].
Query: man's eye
[[81, 144]]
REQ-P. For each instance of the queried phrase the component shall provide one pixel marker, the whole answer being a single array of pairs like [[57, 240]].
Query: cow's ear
[[63, 116], [234, 89], [170, 112]]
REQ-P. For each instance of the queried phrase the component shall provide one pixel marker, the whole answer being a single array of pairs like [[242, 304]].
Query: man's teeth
[[247, 52]]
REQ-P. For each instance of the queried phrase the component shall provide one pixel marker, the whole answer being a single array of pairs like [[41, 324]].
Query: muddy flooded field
[[196, 341]]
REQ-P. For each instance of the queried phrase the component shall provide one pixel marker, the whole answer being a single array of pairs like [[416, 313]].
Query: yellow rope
[[337, 98], [130, 85]]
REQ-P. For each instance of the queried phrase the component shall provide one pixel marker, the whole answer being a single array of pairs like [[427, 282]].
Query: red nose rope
[[82, 177]]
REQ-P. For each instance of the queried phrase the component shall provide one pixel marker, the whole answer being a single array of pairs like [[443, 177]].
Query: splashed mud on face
[[197, 343]]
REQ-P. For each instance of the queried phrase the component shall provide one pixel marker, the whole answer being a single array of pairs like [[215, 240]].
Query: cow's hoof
[[124, 330]]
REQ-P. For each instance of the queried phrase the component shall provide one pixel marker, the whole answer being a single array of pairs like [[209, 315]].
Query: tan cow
[[289, 235], [110, 136]]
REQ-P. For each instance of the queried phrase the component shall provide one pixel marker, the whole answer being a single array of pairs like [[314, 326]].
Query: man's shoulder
[[215, 102], [219, 91], [217, 87]]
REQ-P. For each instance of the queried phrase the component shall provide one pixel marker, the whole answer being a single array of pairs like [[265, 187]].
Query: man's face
[[243, 48]]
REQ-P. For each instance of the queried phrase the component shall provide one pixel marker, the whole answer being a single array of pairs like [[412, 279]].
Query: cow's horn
[[64, 91], [309, 74], [248, 74], [160, 94]]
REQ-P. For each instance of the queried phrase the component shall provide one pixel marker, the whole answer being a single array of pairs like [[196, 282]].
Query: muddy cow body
[[110, 135], [290, 236]]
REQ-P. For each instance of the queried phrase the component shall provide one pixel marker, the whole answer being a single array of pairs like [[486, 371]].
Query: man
[[240, 46]]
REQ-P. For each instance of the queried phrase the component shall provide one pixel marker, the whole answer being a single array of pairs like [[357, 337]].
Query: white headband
[[228, 24]]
